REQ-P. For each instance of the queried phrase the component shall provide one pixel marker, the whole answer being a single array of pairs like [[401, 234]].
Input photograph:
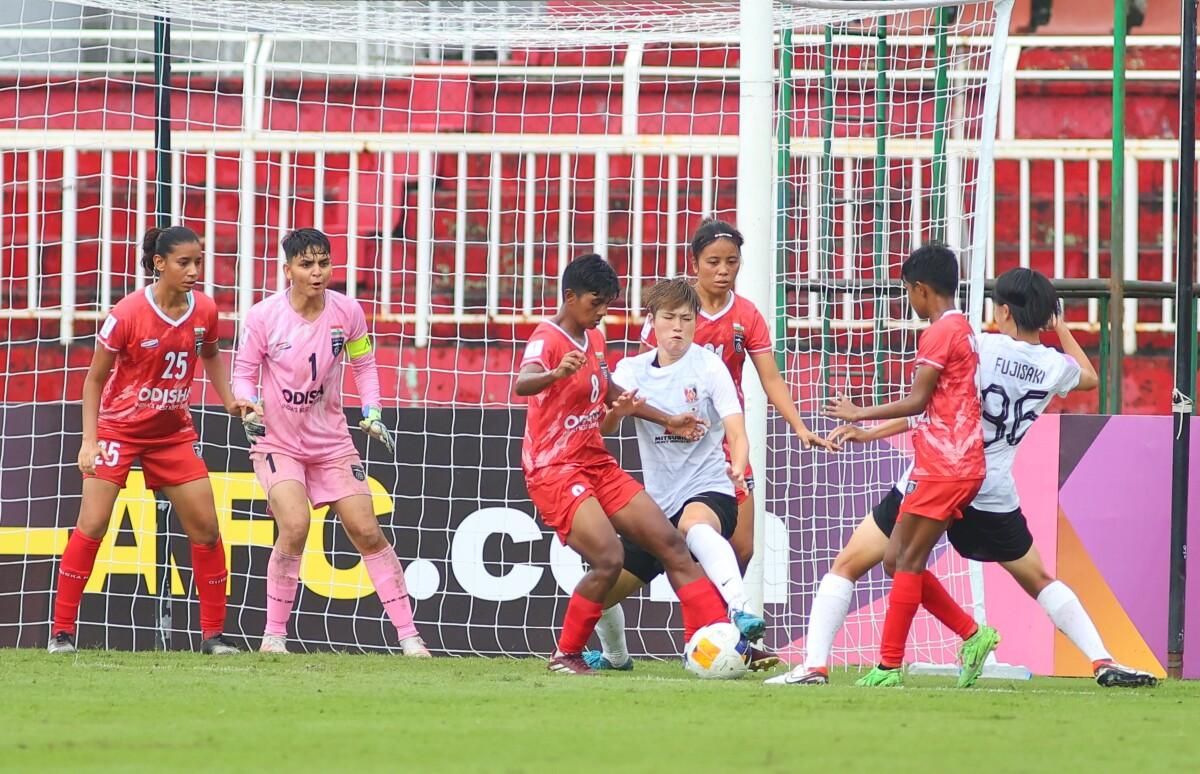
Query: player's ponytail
[[1029, 296], [709, 231], [162, 241]]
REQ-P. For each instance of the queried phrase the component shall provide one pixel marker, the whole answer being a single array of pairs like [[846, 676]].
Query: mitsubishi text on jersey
[[563, 423], [147, 396], [674, 467], [301, 365], [730, 334], [948, 439]]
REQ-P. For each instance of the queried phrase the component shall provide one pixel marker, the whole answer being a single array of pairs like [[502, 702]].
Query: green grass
[[104, 711]]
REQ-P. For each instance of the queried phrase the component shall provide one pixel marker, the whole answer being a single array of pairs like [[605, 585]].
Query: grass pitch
[[106, 711]]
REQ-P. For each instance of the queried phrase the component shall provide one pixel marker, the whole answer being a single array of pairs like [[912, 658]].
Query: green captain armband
[[358, 347]]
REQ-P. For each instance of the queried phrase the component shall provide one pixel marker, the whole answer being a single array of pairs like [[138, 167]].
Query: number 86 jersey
[[563, 423], [147, 396], [1017, 380]]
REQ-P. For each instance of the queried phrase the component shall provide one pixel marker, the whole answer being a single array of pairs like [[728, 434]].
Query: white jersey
[[1017, 381], [674, 468]]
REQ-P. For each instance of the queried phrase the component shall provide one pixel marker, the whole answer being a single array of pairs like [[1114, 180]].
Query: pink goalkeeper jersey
[[301, 370]]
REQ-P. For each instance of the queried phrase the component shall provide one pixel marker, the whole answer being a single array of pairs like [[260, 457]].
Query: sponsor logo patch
[[337, 340], [577, 489], [106, 330], [359, 472], [199, 338], [149, 343], [198, 449], [912, 487]]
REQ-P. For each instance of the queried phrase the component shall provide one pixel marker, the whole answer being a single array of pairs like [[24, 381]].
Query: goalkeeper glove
[[252, 423], [372, 425]]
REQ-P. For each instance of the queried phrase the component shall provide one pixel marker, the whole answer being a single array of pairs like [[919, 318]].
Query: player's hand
[[253, 424], [571, 362], [809, 439], [843, 434], [687, 425], [843, 408], [240, 408], [372, 424], [626, 404], [738, 477], [89, 454]]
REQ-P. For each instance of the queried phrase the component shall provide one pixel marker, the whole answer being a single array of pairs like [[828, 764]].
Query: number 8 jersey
[[563, 423], [1017, 380], [146, 398]]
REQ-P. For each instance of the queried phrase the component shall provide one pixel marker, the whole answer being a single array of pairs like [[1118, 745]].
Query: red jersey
[[948, 439], [146, 397], [730, 333], [563, 424]]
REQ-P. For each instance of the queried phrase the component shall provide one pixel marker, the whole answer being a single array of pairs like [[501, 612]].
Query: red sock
[[942, 606], [208, 566], [702, 605], [73, 573], [579, 623], [903, 602]]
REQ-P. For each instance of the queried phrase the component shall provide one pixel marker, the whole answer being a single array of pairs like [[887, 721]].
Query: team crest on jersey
[[337, 340], [198, 449], [690, 394], [739, 338], [149, 343], [912, 487], [359, 472], [199, 338]]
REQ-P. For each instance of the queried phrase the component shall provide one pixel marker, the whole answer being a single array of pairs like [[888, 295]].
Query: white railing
[[559, 155]]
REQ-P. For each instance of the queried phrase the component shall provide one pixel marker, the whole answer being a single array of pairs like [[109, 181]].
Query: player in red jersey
[[733, 328], [948, 465], [153, 338], [578, 488]]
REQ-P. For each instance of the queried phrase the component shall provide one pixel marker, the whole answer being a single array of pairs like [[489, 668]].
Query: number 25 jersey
[[1017, 380], [146, 398], [563, 423]]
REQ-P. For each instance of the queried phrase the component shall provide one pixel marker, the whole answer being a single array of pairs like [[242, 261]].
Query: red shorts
[[168, 464], [940, 500], [557, 492]]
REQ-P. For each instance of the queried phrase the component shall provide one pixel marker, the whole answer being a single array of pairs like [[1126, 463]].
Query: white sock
[[716, 556], [611, 630], [1067, 613], [826, 617]]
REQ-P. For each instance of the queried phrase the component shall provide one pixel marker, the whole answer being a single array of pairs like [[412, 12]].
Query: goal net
[[459, 154]]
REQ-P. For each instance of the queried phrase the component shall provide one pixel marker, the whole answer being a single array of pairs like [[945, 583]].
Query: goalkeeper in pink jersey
[[300, 445]]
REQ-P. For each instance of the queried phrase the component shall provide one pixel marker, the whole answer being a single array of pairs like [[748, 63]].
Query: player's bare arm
[[857, 434], [93, 387], [911, 405], [533, 378], [218, 374], [625, 405], [739, 449], [779, 396], [1088, 380]]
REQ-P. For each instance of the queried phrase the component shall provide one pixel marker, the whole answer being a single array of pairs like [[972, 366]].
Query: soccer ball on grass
[[717, 652]]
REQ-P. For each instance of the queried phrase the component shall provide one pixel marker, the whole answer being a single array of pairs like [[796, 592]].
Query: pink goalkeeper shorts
[[325, 482]]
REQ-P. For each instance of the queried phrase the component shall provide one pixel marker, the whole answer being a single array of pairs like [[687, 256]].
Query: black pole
[[162, 219], [162, 121], [1182, 398]]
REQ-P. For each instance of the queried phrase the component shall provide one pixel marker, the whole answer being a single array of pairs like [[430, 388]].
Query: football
[[717, 652]]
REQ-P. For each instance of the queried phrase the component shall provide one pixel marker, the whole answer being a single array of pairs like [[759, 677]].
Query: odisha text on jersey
[[301, 400], [584, 421], [157, 397]]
